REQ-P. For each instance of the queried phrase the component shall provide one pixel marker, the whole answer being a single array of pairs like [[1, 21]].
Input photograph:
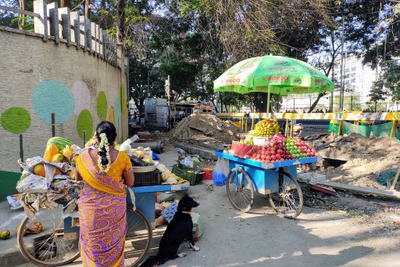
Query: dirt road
[[260, 238]]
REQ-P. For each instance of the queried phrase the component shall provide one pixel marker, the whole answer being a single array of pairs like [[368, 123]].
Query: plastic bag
[[126, 146], [14, 202], [188, 162], [220, 172], [155, 156]]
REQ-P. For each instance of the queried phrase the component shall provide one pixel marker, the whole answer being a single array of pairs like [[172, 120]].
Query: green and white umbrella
[[273, 75]]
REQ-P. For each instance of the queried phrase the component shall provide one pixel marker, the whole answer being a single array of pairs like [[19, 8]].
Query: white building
[[357, 79]]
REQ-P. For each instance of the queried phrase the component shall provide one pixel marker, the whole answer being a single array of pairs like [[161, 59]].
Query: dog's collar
[[186, 212]]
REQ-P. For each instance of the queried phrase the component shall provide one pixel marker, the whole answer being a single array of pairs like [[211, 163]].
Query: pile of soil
[[360, 161], [364, 160], [204, 130]]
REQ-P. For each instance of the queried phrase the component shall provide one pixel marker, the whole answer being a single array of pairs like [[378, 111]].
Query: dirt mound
[[364, 159], [204, 130]]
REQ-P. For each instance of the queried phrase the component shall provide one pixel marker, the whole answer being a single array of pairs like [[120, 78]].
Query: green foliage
[[194, 41], [26, 22], [377, 93], [391, 79]]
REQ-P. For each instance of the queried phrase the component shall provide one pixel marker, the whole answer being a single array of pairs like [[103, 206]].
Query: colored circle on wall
[[52, 96], [124, 102], [15, 120], [84, 125], [81, 95], [101, 106], [117, 112], [111, 116]]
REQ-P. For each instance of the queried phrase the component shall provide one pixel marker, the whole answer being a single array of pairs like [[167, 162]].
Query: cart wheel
[[240, 189], [289, 199], [52, 246], [137, 239]]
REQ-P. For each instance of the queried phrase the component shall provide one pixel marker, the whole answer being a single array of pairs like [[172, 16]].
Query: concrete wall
[[38, 78]]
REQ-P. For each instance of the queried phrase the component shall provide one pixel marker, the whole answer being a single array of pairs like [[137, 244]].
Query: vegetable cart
[[278, 180]]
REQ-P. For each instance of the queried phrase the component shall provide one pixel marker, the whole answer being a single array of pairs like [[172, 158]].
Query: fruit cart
[[278, 180]]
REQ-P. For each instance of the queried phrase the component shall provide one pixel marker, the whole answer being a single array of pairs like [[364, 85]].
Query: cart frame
[[278, 180]]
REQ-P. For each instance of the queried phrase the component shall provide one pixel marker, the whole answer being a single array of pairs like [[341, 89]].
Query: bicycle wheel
[[53, 246], [288, 201], [138, 237], [240, 189]]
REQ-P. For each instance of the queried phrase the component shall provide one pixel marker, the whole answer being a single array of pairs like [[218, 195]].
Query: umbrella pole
[[268, 100]]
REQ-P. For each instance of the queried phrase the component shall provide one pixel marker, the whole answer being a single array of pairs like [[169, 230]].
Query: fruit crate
[[148, 178], [193, 175]]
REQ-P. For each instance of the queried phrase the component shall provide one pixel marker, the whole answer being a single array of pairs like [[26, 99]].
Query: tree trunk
[[121, 21], [87, 10], [102, 19], [260, 102], [21, 21], [65, 3]]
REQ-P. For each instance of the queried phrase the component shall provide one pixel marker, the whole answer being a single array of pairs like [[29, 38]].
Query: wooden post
[[88, 36], [395, 179], [52, 10], [339, 133], [101, 41], [393, 130], [287, 128], [64, 17]]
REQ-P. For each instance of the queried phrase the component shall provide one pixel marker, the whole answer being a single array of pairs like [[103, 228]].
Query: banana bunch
[[168, 177], [266, 127], [172, 178]]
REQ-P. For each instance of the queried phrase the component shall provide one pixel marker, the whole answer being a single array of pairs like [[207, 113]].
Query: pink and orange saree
[[102, 211]]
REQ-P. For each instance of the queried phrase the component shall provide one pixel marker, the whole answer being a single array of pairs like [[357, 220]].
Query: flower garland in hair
[[104, 144]]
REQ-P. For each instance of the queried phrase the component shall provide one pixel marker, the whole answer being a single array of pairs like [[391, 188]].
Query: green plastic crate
[[194, 176]]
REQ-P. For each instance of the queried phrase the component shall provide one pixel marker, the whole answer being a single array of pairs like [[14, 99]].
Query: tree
[[377, 93], [391, 79], [257, 28]]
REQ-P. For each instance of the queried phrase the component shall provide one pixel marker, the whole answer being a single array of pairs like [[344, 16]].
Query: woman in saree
[[106, 173]]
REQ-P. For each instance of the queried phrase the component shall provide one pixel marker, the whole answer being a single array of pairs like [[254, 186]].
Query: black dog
[[178, 230]]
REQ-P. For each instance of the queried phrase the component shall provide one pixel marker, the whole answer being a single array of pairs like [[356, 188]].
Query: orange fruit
[[5, 234], [58, 158], [39, 169], [50, 151], [67, 152], [73, 159], [24, 232]]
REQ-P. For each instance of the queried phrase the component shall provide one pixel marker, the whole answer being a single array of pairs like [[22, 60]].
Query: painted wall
[[38, 78]]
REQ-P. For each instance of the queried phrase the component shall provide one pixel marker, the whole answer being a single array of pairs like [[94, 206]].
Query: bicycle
[[58, 243]]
